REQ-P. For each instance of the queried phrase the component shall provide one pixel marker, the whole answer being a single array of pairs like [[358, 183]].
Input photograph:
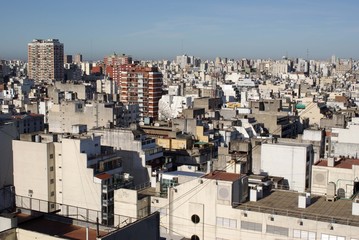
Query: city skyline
[[162, 29]]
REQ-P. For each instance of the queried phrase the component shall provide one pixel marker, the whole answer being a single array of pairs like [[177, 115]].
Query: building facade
[[71, 172], [46, 60], [140, 85]]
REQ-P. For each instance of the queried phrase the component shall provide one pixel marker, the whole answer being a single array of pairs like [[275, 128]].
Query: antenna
[[182, 46], [307, 54]]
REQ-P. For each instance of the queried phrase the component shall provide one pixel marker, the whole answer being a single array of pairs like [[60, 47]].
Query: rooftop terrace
[[285, 203]]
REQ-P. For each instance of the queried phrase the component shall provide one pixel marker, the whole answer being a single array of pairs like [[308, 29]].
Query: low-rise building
[[342, 173]]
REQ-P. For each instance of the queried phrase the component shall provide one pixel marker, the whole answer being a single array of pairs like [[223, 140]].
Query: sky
[[163, 29]]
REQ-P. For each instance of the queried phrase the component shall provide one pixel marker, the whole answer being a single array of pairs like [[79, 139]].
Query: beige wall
[[22, 234], [34, 169], [182, 203]]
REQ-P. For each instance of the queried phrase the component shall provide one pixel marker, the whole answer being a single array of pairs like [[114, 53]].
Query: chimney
[[331, 162]]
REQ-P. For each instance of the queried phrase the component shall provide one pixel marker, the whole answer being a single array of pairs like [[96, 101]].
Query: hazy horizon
[[205, 29]]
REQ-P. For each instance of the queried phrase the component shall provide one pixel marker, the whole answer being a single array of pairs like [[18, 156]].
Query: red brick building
[[140, 85]]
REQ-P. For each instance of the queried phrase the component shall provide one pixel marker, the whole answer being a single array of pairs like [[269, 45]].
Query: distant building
[[78, 58], [183, 60], [67, 58], [142, 86], [24, 122], [115, 60], [46, 60], [93, 114]]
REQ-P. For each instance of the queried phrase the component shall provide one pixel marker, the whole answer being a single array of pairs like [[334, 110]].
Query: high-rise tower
[[46, 60]]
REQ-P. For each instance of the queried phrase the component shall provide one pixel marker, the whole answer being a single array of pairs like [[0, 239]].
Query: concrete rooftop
[[286, 203], [62, 230]]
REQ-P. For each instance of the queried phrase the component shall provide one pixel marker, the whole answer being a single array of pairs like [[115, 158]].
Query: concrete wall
[[345, 149], [220, 221], [146, 228], [61, 117], [288, 161], [22, 234], [342, 177], [7, 196], [8, 132], [34, 170], [128, 207], [83, 92], [8, 234], [77, 180], [130, 150]]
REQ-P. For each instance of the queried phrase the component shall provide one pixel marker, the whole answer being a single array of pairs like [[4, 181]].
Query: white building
[[344, 142], [342, 172], [208, 208], [291, 161], [171, 106], [94, 114], [230, 92], [136, 149], [69, 170]]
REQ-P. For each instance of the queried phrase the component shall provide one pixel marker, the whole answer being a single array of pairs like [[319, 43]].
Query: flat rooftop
[[286, 203], [184, 173], [63, 230], [223, 176], [342, 163]]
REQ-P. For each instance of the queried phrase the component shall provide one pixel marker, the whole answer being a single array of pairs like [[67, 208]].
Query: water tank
[[37, 138], [331, 191]]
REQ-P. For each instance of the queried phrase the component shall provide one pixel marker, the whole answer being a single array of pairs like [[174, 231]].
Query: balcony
[[119, 181], [153, 153], [107, 202]]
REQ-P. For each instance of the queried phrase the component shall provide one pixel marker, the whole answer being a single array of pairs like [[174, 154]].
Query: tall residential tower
[[46, 60]]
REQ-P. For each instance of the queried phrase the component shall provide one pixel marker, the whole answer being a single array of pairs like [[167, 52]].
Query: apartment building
[[94, 114], [140, 85], [216, 207], [71, 173], [46, 60], [140, 153]]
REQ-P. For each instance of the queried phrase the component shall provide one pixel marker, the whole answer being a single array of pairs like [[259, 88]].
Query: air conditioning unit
[[319, 178]]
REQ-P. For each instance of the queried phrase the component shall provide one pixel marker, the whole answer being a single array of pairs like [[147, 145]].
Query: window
[[331, 237], [304, 234], [51, 169], [52, 181], [251, 226], [226, 222], [52, 193], [194, 237], [195, 218], [277, 230], [51, 156]]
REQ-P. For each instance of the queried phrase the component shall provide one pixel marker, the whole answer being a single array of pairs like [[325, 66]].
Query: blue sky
[[162, 29]]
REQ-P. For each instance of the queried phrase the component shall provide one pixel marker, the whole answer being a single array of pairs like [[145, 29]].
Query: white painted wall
[[78, 185], [288, 161], [342, 177], [34, 170]]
